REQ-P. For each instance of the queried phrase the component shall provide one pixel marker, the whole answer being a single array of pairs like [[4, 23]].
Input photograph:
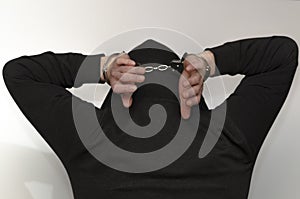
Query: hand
[[191, 83], [123, 75]]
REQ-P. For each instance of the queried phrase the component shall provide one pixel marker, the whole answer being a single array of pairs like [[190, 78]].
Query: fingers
[[127, 77], [184, 108], [194, 79], [123, 75], [134, 70], [186, 104], [193, 100], [192, 95], [124, 61], [192, 85], [127, 73], [123, 88], [126, 99], [185, 111], [192, 91]]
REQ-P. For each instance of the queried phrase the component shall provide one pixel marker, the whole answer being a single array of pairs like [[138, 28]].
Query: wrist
[[102, 61], [106, 64], [209, 57]]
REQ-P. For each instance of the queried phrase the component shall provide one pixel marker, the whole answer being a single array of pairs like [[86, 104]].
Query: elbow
[[8, 70], [289, 50], [8, 73], [13, 69]]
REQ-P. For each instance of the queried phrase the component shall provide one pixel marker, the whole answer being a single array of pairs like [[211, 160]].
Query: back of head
[[159, 87], [152, 53]]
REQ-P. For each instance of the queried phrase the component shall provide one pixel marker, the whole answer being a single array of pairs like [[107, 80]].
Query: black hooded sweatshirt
[[38, 83]]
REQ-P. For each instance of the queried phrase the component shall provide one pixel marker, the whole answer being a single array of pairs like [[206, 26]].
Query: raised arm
[[37, 84], [59, 69], [269, 65]]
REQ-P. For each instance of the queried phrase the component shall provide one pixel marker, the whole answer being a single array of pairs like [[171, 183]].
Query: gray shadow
[[23, 167]]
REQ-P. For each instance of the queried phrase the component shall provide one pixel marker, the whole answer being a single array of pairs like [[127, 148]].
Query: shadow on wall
[[32, 174]]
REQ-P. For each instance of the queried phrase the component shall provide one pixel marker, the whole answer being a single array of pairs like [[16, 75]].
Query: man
[[37, 84]]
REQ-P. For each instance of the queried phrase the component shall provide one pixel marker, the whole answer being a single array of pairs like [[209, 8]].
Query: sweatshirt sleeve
[[269, 65], [38, 83]]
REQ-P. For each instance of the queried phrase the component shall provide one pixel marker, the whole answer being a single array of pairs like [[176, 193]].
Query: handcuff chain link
[[162, 67]]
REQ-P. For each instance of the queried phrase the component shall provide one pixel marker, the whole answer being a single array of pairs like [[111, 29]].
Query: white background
[[30, 170]]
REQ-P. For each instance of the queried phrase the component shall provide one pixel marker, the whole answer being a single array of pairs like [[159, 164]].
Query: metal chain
[[160, 68]]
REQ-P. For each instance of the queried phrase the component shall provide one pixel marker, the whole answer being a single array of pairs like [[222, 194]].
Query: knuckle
[[193, 80], [129, 78], [118, 60], [124, 77], [125, 55], [113, 73], [131, 69], [123, 60], [118, 75], [193, 92], [126, 69], [141, 70], [114, 88]]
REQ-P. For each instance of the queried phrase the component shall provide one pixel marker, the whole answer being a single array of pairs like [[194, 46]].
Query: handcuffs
[[173, 65]]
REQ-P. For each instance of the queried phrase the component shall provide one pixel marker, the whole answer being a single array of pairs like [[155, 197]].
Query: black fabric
[[37, 84], [151, 51]]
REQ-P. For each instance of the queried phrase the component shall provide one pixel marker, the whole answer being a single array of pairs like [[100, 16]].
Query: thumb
[[126, 99], [185, 110]]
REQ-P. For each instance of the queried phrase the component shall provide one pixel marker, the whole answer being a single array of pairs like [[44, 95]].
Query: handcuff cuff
[[106, 66], [176, 64]]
